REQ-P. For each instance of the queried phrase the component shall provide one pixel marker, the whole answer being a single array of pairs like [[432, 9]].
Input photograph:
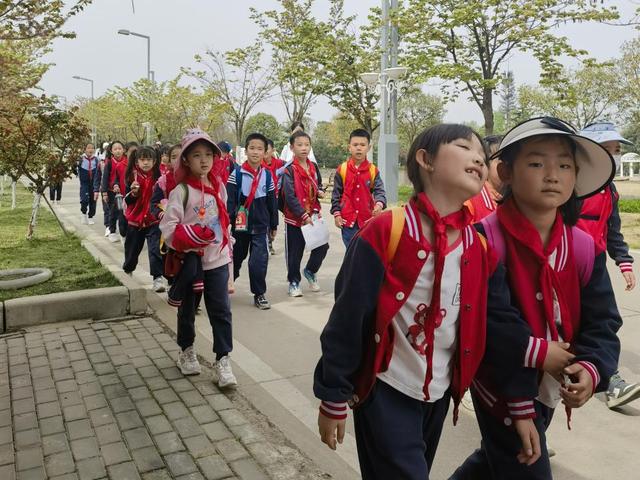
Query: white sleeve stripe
[[520, 404], [519, 413]]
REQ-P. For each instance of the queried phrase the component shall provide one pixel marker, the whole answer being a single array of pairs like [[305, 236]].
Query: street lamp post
[[387, 80], [93, 114], [123, 31]]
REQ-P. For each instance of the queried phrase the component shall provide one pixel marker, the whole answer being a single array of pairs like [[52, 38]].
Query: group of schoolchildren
[[491, 279]]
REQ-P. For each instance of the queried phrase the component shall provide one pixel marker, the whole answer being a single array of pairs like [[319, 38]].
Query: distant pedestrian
[[274, 164], [87, 170], [113, 189]]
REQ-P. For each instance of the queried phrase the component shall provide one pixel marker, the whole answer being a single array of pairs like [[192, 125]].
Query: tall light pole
[[390, 74], [123, 31], [93, 114]]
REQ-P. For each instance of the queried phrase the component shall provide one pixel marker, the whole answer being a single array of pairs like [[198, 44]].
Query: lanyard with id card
[[242, 216]]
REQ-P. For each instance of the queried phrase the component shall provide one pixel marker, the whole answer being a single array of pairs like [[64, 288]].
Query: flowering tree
[[42, 143]]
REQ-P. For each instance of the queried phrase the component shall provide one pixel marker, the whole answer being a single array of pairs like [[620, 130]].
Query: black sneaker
[[261, 302]]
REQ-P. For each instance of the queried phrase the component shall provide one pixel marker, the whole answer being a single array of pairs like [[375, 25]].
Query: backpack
[[583, 248], [373, 171], [281, 202]]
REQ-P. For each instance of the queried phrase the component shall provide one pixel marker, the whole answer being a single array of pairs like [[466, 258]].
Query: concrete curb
[[97, 303]]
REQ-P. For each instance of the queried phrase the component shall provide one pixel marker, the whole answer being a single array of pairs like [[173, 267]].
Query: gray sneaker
[[620, 392], [188, 362], [312, 279]]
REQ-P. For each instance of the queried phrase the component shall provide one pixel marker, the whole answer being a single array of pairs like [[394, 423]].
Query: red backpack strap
[[584, 253], [494, 235]]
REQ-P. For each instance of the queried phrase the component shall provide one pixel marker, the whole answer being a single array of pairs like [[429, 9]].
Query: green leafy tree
[[31, 19], [417, 111], [589, 94], [508, 102], [267, 125], [236, 80], [43, 143], [468, 42], [293, 33]]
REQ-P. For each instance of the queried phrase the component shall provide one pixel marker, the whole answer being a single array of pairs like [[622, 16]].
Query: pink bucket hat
[[190, 137]]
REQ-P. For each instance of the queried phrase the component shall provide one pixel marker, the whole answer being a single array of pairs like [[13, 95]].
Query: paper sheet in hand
[[316, 234]]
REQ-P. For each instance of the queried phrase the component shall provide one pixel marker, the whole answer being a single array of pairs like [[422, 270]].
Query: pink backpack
[[583, 246]]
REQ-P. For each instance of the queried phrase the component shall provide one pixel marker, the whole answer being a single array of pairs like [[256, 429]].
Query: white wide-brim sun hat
[[602, 132], [596, 167]]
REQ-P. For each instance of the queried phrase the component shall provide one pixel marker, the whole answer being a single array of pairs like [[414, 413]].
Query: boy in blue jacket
[[253, 211]]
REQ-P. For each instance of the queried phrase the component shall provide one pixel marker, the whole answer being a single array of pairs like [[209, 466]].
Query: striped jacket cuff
[[337, 213], [304, 216], [520, 409], [337, 411], [593, 371], [536, 353], [626, 267]]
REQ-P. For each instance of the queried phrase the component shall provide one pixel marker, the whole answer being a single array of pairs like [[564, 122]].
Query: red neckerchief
[[531, 274], [305, 184], [90, 163], [139, 211], [457, 221], [163, 168], [254, 183], [213, 189], [120, 167], [353, 178]]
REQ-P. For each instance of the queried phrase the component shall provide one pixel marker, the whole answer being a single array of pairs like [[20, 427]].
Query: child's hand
[[339, 221], [574, 395], [116, 188], [307, 221], [530, 439], [557, 359], [630, 278], [272, 234], [135, 188], [328, 428], [377, 210], [105, 196], [95, 196], [320, 194]]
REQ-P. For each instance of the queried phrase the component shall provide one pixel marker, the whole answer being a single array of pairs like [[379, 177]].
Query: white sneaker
[[107, 232], [294, 290], [84, 220], [188, 362], [226, 378], [158, 285], [113, 237], [91, 221], [312, 279]]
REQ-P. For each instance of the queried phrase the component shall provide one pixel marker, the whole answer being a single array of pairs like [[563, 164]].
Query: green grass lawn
[[72, 266]]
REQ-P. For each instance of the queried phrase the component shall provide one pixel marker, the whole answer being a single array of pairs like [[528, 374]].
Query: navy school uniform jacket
[[595, 342], [370, 290], [263, 212]]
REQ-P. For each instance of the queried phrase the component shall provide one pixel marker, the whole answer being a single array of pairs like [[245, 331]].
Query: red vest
[[594, 217], [476, 265], [357, 201], [118, 169]]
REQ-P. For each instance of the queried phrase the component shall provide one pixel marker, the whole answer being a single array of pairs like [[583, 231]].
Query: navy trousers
[[216, 300], [294, 246], [397, 436], [257, 247], [55, 191], [87, 201], [133, 244], [348, 233], [496, 457], [116, 216]]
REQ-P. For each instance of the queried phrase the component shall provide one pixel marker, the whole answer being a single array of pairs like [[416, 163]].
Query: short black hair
[[270, 143], [492, 140], [360, 132], [298, 134], [295, 125], [256, 136], [430, 140], [570, 210]]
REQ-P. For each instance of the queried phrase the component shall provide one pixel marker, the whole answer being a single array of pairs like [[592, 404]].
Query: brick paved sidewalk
[[105, 400]]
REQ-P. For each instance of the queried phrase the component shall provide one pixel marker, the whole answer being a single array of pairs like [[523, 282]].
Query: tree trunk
[[34, 215], [487, 110], [13, 194]]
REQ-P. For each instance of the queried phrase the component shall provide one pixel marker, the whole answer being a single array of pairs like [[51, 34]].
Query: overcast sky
[[181, 28]]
